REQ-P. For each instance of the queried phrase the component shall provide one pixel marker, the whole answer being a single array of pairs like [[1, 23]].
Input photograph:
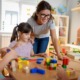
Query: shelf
[[75, 9]]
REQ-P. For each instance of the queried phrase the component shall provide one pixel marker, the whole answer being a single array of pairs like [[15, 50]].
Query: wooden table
[[49, 75]]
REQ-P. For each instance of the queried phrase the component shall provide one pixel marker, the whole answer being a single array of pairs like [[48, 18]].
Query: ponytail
[[14, 34]]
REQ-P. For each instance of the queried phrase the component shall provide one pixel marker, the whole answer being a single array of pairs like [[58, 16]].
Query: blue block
[[53, 61], [40, 71], [40, 59], [38, 62], [24, 58], [33, 70]]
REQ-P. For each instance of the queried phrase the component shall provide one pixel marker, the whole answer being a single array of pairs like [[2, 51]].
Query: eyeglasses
[[45, 16]]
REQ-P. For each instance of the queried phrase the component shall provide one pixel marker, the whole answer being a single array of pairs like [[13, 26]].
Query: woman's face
[[43, 16]]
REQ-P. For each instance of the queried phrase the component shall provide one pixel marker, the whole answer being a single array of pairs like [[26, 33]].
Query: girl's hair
[[43, 5], [22, 27]]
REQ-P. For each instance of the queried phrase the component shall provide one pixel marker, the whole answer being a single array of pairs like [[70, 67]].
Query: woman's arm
[[55, 42], [7, 58]]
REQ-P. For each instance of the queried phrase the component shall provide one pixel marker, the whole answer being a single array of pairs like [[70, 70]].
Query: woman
[[43, 26]]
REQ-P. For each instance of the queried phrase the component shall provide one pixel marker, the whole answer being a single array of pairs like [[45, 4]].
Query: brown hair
[[22, 27], [42, 6]]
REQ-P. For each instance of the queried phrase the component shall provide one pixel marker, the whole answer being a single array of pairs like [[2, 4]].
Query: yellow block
[[68, 72], [48, 59], [20, 66]]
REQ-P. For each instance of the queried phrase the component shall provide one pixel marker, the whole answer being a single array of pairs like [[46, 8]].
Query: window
[[11, 20]]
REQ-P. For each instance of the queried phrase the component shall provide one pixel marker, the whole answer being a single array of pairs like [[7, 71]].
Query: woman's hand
[[31, 40]]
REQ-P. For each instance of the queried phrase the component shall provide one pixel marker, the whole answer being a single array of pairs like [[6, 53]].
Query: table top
[[49, 74]]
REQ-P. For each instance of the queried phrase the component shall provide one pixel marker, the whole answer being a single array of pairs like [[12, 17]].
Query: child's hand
[[61, 73], [43, 54]]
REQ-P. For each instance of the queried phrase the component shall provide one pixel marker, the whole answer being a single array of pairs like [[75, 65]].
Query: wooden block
[[13, 65]]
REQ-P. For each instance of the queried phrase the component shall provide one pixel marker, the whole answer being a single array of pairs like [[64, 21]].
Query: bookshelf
[[61, 24]]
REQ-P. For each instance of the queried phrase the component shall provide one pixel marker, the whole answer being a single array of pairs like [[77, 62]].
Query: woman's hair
[[43, 5], [22, 27]]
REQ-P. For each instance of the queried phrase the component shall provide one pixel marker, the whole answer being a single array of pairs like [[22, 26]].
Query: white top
[[41, 31]]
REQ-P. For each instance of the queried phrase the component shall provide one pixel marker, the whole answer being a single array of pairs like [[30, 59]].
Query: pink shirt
[[23, 50]]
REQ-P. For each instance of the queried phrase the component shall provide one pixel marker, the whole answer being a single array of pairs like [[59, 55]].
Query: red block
[[64, 50], [65, 61]]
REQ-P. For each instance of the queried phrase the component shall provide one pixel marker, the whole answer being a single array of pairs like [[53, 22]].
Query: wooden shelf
[[75, 9]]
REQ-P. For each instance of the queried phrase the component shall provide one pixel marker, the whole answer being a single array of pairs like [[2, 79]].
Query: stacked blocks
[[65, 62], [37, 70], [51, 63]]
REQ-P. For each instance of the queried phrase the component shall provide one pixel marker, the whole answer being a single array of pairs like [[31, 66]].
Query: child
[[20, 47]]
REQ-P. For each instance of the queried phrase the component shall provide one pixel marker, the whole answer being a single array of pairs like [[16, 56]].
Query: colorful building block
[[40, 71], [33, 70], [65, 61], [38, 62], [37, 70]]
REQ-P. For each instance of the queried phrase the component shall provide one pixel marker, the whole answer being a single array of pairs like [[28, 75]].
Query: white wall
[[7, 6], [74, 20], [16, 5], [0, 12]]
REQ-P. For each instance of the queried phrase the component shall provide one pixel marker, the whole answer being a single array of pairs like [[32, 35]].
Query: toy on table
[[26, 69], [70, 72], [37, 70], [13, 65], [39, 60], [65, 62], [64, 52], [22, 63], [51, 63]]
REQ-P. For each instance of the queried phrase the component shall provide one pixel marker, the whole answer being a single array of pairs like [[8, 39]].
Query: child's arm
[[32, 53], [3, 51], [61, 73], [7, 58]]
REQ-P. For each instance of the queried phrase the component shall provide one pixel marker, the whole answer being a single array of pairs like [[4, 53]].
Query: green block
[[54, 68], [48, 63], [64, 66]]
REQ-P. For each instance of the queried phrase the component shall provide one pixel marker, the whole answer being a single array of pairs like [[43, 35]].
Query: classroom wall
[[74, 22], [0, 11], [16, 5]]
